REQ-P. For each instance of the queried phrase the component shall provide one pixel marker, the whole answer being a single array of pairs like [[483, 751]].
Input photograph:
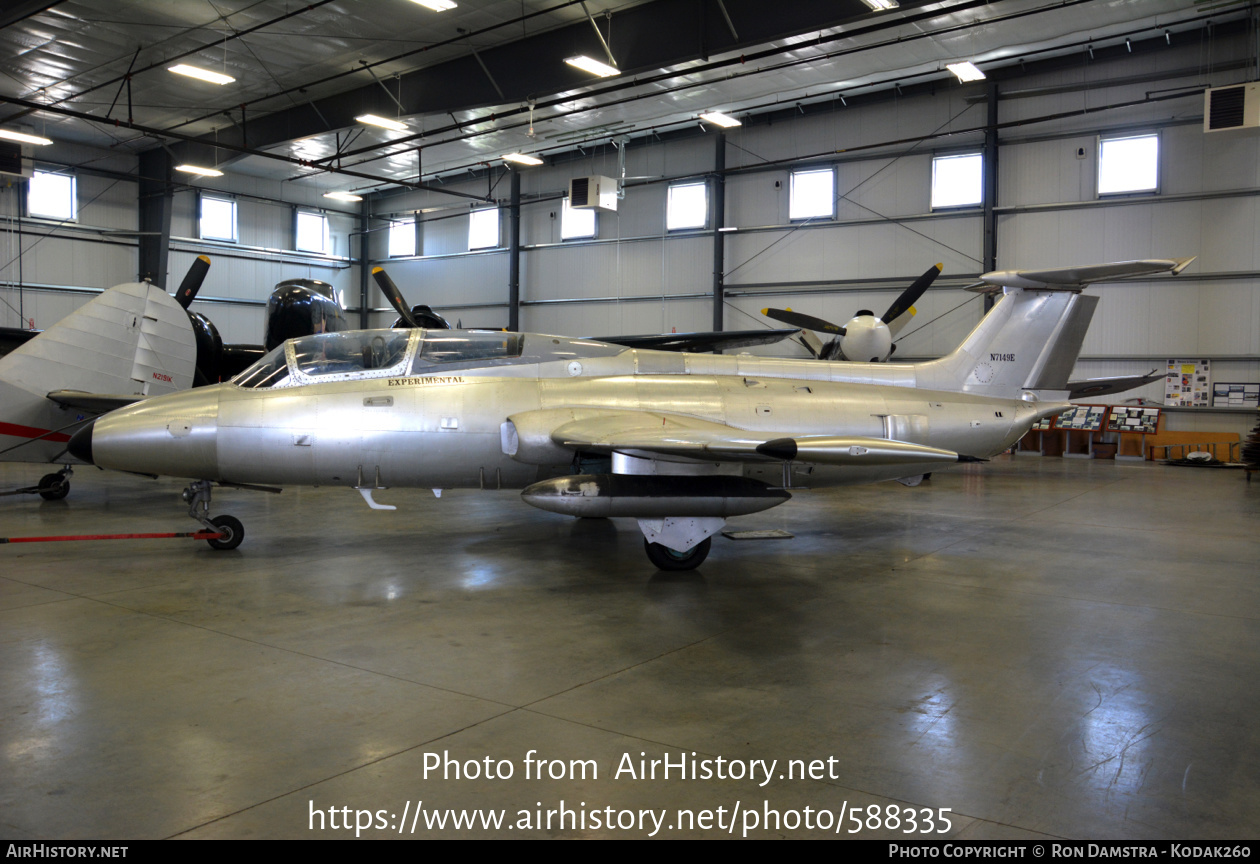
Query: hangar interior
[[1050, 648]]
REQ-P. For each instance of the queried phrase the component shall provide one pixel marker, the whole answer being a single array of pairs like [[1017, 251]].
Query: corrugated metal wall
[[636, 277]]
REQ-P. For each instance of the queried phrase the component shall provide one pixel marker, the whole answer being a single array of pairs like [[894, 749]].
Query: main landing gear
[[668, 559], [198, 497]]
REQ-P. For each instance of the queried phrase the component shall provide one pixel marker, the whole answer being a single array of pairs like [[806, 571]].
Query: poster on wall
[[1188, 384], [1241, 395]]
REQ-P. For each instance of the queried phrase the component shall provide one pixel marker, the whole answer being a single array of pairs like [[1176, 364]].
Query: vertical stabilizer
[[1029, 341], [133, 339]]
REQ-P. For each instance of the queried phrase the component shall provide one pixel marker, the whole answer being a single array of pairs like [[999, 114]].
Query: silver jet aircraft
[[678, 441]]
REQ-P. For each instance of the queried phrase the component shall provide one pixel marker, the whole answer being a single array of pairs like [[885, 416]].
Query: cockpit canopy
[[367, 354]]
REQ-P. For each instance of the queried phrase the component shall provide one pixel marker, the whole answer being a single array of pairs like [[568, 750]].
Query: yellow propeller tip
[[205, 258], [377, 269], [940, 267]]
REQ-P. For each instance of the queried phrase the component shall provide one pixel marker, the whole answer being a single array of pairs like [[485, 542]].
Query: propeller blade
[[798, 319], [192, 281], [912, 294], [393, 295]]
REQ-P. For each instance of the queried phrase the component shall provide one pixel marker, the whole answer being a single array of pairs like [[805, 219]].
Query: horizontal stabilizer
[[93, 403], [1090, 387], [1076, 278]]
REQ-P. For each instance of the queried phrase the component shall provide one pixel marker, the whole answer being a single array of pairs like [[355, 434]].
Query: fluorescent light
[[23, 137], [384, 122], [586, 64], [881, 5], [343, 196], [717, 118], [197, 169], [436, 5], [522, 159], [966, 71], [202, 74]]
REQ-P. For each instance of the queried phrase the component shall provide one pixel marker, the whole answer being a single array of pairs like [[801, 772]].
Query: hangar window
[[687, 206], [218, 218], [310, 232], [1129, 164], [957, 181], [51, 195], [483, 229], [402, 238], [812, 194], [576, 224]]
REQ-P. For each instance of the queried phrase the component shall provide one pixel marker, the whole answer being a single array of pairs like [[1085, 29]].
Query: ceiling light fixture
[[202, 74], [436, 5], [383, 122], [881, 5], [522, 159], [717, 118], [587, 64], [343, 196], [966, 71], [23, 137], [197, 169]]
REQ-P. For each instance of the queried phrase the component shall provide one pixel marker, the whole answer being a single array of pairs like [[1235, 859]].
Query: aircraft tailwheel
[[231, 528], [667, 559], [54, 487]]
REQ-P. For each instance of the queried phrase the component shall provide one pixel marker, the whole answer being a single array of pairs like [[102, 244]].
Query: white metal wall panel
[[854, 251], [444, 282], [625, 318]]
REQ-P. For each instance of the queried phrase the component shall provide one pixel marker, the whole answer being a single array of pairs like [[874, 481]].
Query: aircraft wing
[[93, 403], [696, 342], [1075, 278], [1108, 386], [676, 437]]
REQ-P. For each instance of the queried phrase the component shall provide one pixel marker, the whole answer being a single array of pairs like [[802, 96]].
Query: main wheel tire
[[54, 487], [231, 528], [667, 559]]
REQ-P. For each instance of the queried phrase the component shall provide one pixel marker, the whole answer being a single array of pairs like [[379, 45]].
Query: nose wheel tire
[[667, 559], [54, 487], [232, 530]]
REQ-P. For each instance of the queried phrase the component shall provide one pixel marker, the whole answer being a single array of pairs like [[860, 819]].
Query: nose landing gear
[[229, 527], [54, 487]]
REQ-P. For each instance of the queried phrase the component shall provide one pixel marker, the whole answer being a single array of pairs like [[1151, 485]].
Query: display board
[[1085, 418], [1188, 384], [1127, 419], [1241, 395], [1043, 424]]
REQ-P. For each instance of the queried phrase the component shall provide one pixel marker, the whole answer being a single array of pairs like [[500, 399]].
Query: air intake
[[1234, 107]]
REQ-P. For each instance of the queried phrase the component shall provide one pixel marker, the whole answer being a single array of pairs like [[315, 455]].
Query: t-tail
[[1031, 338]]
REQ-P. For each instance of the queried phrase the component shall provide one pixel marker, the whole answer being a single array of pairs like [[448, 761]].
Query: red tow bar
[[203, 534]]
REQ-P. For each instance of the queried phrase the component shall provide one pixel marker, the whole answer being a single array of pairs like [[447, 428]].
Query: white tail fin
[[1028, 341], [132, 339]]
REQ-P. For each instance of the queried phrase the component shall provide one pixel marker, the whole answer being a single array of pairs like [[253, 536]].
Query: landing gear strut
[[54, 487], [198, 497]]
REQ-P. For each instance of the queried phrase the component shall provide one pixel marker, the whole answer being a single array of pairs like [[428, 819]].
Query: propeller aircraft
[[688, 439], [865, 338]]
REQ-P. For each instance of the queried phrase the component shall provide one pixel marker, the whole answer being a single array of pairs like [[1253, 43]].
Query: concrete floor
[[1046, 647]]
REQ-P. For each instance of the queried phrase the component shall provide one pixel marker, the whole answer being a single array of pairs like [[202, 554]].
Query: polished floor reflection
[[1044, 647]]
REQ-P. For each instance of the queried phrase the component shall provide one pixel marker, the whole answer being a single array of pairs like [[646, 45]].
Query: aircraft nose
[[174, 435], [80, 445]]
